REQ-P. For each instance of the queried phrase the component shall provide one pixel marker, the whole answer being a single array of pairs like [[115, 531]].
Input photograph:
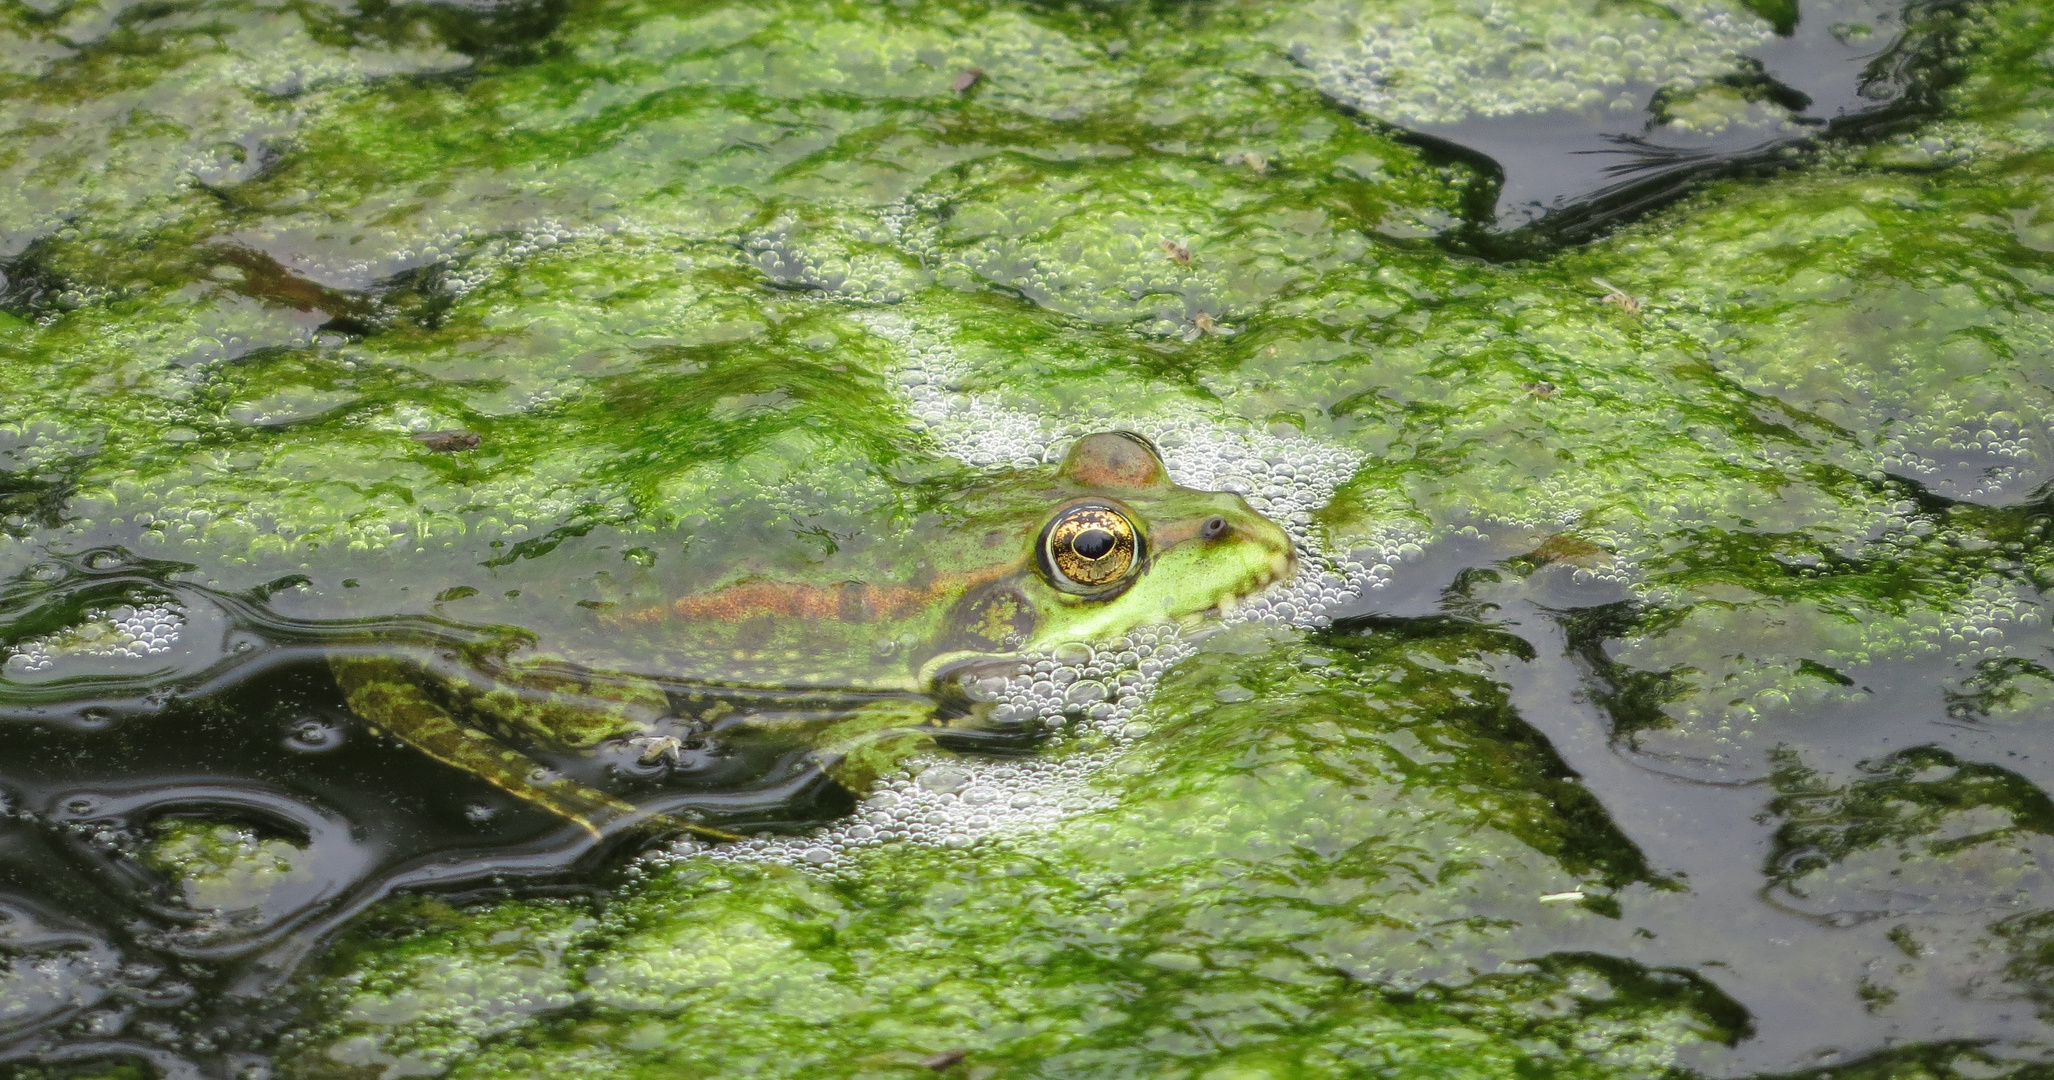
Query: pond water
[[526, 539]]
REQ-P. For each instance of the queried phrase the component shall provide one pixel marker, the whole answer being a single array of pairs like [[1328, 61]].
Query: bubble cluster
[[1517, 59], [1975, 457], [1088, 695], [48, 973], [914, 223], [128, 632], [975, 428], [951, 804], [841, 269], [1715, 109], [1952, 143], [221, 867]]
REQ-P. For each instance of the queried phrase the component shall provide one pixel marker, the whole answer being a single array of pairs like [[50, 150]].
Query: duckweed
[[1676, 716]]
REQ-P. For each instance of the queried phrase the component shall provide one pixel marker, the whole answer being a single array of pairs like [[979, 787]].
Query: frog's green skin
[[980, 594]]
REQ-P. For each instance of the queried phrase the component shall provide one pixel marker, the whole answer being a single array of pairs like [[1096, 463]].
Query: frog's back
[[861, 623]]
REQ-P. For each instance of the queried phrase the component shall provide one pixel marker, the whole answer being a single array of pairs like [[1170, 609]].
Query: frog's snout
[[1283, 563], [1283, 556], [1277, 559]]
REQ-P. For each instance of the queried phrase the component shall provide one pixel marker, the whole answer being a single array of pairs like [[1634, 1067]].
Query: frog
[[1019, 564]]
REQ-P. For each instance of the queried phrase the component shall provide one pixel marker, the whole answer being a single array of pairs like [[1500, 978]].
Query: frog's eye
[[1089, 549]]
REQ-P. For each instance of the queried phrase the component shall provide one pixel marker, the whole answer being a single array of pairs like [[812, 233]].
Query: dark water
[[239, 724], [1846, 73], [1737, 837]]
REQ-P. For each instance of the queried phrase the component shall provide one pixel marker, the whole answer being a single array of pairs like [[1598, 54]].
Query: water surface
[[1661, 695]]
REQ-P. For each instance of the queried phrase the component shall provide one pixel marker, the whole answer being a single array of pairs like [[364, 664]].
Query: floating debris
[[965, 80], [658, 749], [447, 442], [1249, 158], [1541, 389], [1618, 297], [1569, 897], [1563, 547], [945, 1060], [1203, 323]]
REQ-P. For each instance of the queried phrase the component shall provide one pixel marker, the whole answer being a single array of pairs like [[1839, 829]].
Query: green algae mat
[[579, 538]]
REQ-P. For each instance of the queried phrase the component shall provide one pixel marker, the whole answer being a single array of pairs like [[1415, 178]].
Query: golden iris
[[1089, 547]]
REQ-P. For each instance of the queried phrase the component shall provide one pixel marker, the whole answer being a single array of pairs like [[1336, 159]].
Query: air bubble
[[1073, 654], [943, 780], [314, 735]]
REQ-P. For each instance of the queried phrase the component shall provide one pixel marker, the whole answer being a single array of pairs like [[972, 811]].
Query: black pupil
[[1093, 543]]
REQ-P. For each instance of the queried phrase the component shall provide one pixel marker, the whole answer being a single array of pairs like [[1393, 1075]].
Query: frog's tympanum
[[1023, 564]]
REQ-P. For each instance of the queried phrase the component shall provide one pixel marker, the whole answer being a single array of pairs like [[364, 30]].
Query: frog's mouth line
[[1282, 566]]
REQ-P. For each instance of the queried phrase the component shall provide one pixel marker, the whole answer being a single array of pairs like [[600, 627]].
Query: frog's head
[[1118, 547]]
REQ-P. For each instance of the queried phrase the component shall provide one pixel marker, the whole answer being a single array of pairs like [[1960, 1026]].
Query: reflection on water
[[192, 808]]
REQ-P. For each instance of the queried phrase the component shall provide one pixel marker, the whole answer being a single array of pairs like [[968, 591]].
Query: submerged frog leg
[[381, 691], [873, 741]]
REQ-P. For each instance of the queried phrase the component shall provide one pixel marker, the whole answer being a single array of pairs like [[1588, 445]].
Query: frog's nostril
[[1214, 528]]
